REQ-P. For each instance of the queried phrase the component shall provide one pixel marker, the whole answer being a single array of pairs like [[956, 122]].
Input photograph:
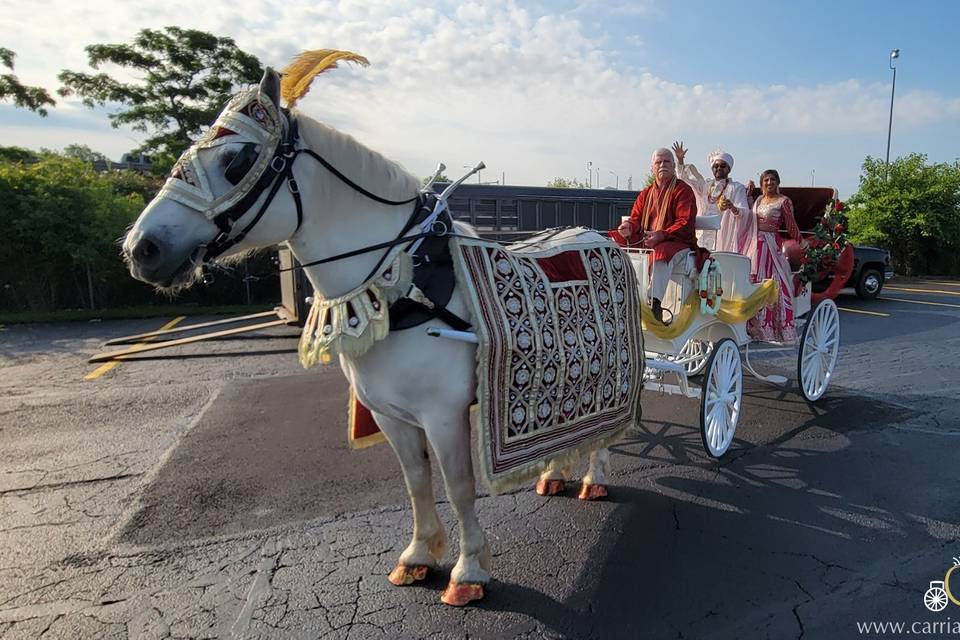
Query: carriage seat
[[735, 274], [707, 223], [734, 277]]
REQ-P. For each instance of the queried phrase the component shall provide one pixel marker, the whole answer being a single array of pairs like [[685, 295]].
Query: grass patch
[[122, 313]]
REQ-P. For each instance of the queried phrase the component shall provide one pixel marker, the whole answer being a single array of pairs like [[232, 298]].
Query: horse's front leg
[[553, 480], [450, 439], [594, 484], [429, 541]]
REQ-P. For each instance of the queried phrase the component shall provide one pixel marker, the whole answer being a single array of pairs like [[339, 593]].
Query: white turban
[[720, 155]]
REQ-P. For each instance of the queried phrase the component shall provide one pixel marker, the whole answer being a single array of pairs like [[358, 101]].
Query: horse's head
[[214, 191]]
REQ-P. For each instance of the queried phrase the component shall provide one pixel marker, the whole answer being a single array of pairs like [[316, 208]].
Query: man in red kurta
[[663, 219]]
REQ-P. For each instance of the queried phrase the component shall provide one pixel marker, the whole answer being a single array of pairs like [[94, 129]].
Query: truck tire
[[869, 284]]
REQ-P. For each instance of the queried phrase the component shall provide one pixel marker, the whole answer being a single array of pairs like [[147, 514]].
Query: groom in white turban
[[722, 197]]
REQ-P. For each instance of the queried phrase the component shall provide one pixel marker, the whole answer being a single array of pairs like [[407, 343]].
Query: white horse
[[418, 388]]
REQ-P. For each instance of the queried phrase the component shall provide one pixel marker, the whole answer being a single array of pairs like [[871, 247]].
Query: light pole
[[589, 173], [894, 54], [813, 173], [617, 177]]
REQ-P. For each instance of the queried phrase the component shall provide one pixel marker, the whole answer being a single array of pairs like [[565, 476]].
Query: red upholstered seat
[[808, 203]]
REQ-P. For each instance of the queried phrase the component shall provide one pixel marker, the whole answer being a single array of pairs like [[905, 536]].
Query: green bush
[[911, 208], [63, 223]]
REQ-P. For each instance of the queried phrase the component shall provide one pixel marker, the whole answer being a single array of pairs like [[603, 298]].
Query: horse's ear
[[270, 85]]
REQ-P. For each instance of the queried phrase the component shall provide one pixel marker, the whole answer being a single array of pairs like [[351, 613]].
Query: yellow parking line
[[937, 291], [107, 366], [869, 313], [949, 284], [934, 304]]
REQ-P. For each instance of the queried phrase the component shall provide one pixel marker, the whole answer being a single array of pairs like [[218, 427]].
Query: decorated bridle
[[270, 138]]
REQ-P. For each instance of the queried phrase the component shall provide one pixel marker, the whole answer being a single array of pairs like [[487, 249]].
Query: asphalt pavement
[[208, 491]]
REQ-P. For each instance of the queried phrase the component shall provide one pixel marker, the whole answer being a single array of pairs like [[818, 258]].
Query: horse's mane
[[369, 169]]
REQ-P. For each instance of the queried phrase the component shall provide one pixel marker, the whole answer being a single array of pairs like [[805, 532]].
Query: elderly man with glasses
[[662, 219], [722, 197]]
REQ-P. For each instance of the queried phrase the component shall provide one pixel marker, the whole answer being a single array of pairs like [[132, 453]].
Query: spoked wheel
[[819, 345], [694, 355], [721, 397]]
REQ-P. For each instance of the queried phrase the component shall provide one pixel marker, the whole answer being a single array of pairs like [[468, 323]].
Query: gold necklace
[[713, 199]]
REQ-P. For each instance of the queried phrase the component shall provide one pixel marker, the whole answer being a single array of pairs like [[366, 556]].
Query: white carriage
[[712, 345]]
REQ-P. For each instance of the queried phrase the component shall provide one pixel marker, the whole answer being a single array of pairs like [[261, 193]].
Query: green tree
[[187, 77], [566, 183], [61, 222], [441, 178], [912, 209], [83, 152], [127, 183], [17, 154], [32, 98]]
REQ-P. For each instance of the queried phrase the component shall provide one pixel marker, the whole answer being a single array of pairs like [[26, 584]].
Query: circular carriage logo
[[938, 595]]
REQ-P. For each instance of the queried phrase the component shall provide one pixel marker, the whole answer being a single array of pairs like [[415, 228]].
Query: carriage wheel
[[697, 351], [819, 345], [721, 397]]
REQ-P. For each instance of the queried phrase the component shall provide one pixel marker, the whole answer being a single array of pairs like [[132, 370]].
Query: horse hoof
[[403, 575], [458, 594], [593, 491], [550, 487]]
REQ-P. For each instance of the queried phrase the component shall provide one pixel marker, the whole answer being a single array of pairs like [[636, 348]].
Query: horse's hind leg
[[429, 540], [594, 484], [450, 440]]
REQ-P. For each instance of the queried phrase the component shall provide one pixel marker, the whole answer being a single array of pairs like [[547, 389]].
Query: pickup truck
[[871, 270]]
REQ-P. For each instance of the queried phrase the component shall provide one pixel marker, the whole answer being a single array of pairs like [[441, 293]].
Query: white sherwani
[[737, 225]]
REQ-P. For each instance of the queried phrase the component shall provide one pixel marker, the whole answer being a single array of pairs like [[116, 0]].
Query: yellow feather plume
[[299, 74]]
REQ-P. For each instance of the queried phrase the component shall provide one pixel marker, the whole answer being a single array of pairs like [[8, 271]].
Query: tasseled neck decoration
[[352, 323]]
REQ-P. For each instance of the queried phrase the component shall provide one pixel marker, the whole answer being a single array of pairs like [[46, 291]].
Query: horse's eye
[[239, 163]]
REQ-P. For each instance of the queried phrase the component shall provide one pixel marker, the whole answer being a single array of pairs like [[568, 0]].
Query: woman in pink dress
[[774, 212]]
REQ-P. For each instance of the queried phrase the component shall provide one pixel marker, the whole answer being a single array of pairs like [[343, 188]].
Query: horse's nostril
[[145, 251]]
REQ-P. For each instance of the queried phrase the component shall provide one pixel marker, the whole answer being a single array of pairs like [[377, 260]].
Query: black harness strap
[[353, 184], [279, 170], [404, 307], [433, 273]]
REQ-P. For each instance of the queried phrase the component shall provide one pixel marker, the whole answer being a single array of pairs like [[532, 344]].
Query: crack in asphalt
[[261, 588], [38, 525], [796, 615], [50, 624], [69, 483]]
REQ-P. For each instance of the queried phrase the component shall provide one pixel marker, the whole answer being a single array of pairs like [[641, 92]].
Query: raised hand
[[679, 151]]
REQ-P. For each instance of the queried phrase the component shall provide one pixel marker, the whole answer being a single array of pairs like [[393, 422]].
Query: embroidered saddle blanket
[[560, 353]]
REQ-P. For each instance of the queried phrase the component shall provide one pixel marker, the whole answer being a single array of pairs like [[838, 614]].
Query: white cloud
[[535, 95]]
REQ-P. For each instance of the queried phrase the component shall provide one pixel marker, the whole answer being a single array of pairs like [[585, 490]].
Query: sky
[[539, 89]]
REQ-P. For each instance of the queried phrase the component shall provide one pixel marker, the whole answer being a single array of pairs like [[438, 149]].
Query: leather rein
[[280, 171]]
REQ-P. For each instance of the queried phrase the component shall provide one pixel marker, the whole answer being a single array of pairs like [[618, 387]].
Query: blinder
[[264, 163], [242, 163]]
